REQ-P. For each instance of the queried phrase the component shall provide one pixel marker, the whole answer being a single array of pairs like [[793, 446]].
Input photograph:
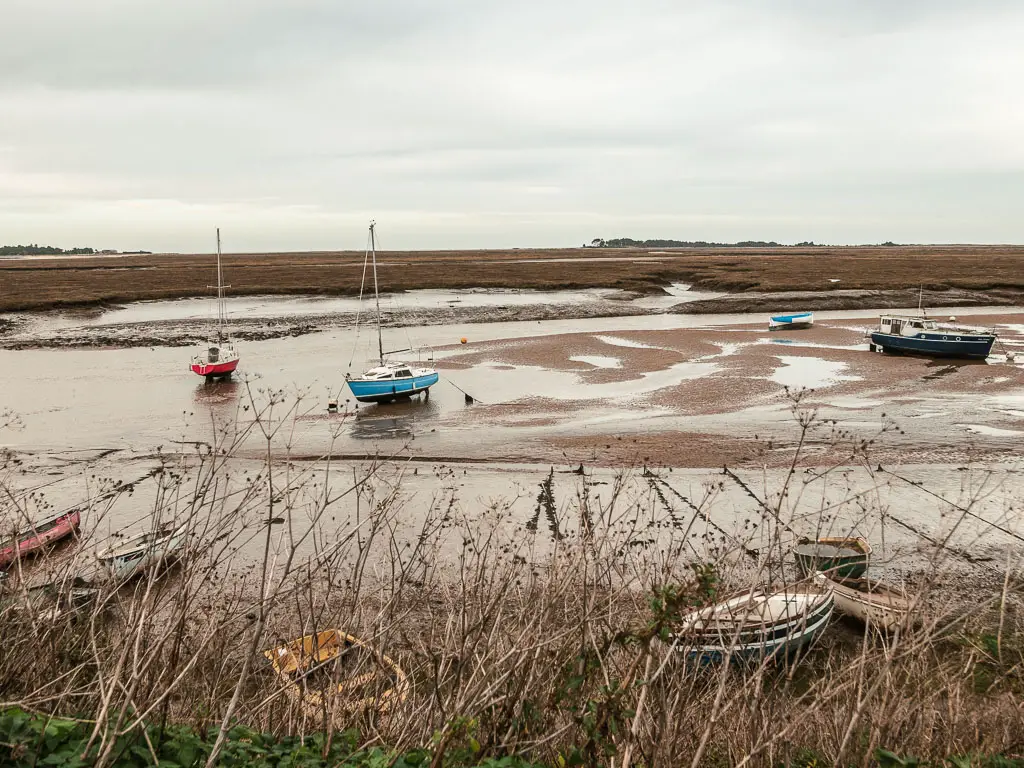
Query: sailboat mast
[[220, 293], [376, 293]]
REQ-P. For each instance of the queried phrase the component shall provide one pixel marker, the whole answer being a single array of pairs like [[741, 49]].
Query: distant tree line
[[628, 242], [41, 250]]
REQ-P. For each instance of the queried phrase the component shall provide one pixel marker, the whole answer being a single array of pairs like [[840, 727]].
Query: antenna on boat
[[920, 299], [376, 293]]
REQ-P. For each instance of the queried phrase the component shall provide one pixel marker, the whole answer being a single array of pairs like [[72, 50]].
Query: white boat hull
[[757, 625], [876, 605], [131, 559], [783, 322]]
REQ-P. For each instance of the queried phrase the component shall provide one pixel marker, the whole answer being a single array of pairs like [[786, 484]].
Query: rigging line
[[677, 520], [397, 309], [220, 293], [1010, 356], [376, 291], [359, 308], [941, 545]]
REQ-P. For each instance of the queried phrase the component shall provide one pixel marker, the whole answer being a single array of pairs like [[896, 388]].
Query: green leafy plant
[[30, 741]]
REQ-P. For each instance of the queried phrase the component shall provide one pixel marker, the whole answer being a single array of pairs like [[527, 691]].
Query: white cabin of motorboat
[[905, 325]]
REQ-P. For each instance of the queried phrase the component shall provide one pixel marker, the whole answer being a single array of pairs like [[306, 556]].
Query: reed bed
[[83, 281], [553, 647]]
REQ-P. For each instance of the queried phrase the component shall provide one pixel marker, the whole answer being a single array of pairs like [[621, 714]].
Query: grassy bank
[[33, 740], [84, 281], [518, 644]]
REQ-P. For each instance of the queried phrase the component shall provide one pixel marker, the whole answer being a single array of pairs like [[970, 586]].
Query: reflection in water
[[546, 504], [216, 392], [947, 366], [392, 420], [217, 410]]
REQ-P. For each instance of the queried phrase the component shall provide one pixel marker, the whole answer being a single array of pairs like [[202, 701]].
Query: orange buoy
[[463, 339]]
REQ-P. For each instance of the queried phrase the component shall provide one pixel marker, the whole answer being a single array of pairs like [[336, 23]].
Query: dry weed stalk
[[513, 640]]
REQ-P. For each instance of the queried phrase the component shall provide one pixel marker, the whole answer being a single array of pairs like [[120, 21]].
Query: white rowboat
[[143, 551], [756, 624], [877, 605]]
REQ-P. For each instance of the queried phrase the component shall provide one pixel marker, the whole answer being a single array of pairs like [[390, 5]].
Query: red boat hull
[[27, 543], [214, 370]]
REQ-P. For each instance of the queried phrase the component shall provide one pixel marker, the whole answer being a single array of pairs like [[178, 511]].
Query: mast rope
[[376, 291], [359, 309]]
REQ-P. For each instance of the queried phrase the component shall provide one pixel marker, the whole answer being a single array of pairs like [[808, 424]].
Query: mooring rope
[[471, 398]]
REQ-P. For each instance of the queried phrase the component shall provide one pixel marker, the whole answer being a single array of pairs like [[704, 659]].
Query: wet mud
[[838, 299], [917, 515], [189, 322]]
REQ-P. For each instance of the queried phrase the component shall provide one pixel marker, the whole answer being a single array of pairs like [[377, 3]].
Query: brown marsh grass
[[84, 281], [554, 647]]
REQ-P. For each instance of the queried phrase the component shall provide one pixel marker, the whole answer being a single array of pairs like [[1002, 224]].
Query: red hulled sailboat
[[219, 360]]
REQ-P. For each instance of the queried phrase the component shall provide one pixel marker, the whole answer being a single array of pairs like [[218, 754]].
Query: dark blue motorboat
[[920, 335]]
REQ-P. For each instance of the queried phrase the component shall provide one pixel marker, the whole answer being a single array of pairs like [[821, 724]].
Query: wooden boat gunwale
[[765, 647], [806, 561], [719, 641], [142, 541], [744, 636], [313, 700]]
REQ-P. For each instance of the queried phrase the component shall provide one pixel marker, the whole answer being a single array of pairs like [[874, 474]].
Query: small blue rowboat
[[392, 381], [797, 320]]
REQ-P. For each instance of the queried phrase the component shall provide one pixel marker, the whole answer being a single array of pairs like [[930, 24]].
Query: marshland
[[596, 462]]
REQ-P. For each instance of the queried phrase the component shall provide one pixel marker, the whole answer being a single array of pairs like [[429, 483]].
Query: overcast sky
[[290, 123]]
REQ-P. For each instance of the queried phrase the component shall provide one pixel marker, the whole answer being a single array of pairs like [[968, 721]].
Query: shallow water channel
[[140, 398], [85, 414]]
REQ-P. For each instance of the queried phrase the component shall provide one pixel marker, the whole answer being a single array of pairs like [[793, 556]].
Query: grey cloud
[[187, 43], [491, 123]]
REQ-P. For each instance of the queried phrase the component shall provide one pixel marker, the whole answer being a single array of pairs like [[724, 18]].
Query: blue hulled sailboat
[[390, 380]]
